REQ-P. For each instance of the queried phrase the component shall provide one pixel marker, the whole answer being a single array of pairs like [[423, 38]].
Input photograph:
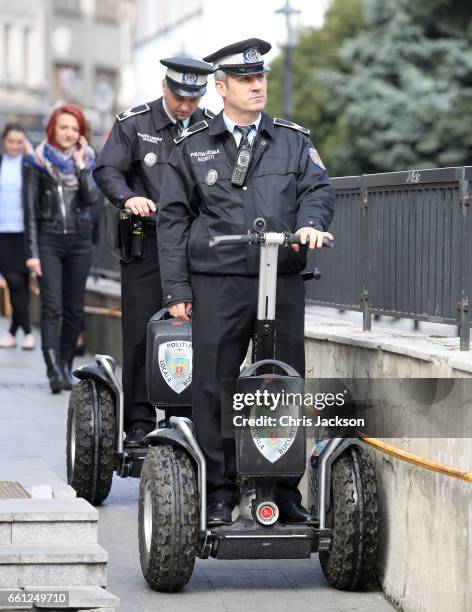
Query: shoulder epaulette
[[193, 129], [136, 110], [208, 113], [290, 124]]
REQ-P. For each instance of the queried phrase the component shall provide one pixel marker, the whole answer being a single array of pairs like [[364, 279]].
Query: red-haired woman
[[60, 198]]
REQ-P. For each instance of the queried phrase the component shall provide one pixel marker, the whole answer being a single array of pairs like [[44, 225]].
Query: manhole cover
[[12, 490]]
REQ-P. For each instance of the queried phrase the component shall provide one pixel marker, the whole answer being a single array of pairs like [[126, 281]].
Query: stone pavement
[[33, 425]]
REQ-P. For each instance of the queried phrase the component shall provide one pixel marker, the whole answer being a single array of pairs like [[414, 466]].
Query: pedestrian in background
[[13, 176], [60, 197]]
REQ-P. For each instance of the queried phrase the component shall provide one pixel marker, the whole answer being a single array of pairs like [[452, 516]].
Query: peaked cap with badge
[[186, 76], [244, 57]]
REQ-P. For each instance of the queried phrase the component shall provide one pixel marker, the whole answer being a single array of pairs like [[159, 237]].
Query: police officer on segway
[[129, 172], [223, 174]]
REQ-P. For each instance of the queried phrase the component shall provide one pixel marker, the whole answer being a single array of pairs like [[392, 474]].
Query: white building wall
[[219, 24]]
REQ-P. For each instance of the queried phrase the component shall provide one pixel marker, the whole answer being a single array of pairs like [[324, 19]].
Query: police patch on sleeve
[[315, 158]]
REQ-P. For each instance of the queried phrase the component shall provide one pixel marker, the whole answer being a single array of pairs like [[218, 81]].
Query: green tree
[[319, 50], [403, 89]]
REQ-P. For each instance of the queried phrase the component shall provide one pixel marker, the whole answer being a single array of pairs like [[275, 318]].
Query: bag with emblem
[[169, 361], [272, 441]]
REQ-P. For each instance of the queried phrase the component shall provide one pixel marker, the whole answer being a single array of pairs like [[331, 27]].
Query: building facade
[[55, 51], [193, 28]]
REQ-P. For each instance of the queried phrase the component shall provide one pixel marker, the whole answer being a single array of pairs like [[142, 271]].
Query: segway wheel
[[168, 518], [353, 518], [91, 440]]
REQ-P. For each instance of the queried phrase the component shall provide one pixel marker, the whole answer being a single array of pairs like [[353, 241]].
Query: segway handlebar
[[125, 213], [280, 238], [249, 238]]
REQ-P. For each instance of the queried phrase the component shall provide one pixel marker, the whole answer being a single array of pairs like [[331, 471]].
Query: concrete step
[[74, 509], [47, 521], [83, 597], [80, 599], [46, 564]]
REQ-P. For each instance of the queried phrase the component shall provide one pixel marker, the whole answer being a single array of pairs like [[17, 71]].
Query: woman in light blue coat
[[13, 174]]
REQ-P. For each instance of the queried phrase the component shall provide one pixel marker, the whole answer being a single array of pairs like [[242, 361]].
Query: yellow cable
[[419, 461]]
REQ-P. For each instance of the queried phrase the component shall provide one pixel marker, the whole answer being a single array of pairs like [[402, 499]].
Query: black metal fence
[[403, 245]]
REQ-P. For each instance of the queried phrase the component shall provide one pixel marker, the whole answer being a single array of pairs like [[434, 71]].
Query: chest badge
[[211, 177], [150, 159]]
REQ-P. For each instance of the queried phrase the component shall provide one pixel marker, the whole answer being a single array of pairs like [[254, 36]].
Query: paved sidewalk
[[33, 425]]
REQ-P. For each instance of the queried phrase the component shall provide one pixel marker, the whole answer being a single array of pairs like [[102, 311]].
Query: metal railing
[[402, 248], [104, 264]]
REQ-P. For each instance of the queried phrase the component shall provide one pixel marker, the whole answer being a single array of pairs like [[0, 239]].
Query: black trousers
[[13, 268], [224, 313], [65, 263], [141, 298], [18, 286]]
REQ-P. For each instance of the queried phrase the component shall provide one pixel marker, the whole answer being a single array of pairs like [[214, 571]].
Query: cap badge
[[150, 159], [211, 177], [251, 56], [189, 78]]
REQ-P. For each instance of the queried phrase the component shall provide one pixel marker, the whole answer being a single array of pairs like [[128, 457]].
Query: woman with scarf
[[13, 176], [60, 197]]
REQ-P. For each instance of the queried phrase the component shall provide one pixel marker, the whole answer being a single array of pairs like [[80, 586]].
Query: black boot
[[56, 378], [67, 356]]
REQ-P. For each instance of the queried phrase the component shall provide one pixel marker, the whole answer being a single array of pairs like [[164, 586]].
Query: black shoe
[[135, 439], [219, 513], [67, 357], [54, 373], [69, 379], [293, 512]]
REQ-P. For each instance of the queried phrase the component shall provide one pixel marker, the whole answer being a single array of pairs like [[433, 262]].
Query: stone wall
[[425, 557]]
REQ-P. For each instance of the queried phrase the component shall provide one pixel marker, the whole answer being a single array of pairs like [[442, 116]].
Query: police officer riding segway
[[241, 165], [130, 172], [247, 184]]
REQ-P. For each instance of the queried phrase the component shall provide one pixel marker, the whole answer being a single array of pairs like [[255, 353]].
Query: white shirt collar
[[231, 124], [185, 122]]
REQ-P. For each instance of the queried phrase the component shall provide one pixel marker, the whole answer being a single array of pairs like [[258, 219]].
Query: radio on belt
[[169, 361]]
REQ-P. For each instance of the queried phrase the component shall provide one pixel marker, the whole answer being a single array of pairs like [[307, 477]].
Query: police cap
[[244, 57], [186, 76]]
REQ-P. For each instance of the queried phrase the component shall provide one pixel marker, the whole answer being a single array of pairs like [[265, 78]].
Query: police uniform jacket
[[134, 157], [286, 184]]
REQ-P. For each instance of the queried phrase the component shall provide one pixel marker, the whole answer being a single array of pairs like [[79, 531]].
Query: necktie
[[244, 156], [245, 131], [180, 127]]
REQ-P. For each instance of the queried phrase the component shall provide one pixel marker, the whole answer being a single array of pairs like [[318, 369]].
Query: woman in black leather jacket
[[60, 196]]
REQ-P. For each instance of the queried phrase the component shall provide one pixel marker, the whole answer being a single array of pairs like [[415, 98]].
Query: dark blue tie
[[245, 131]]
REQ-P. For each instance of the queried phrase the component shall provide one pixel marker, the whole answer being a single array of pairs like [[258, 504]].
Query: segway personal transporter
[[95, 422], [172, 497]]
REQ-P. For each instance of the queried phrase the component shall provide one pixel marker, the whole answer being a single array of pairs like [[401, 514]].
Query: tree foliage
[[387, 86], [318, 50]]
